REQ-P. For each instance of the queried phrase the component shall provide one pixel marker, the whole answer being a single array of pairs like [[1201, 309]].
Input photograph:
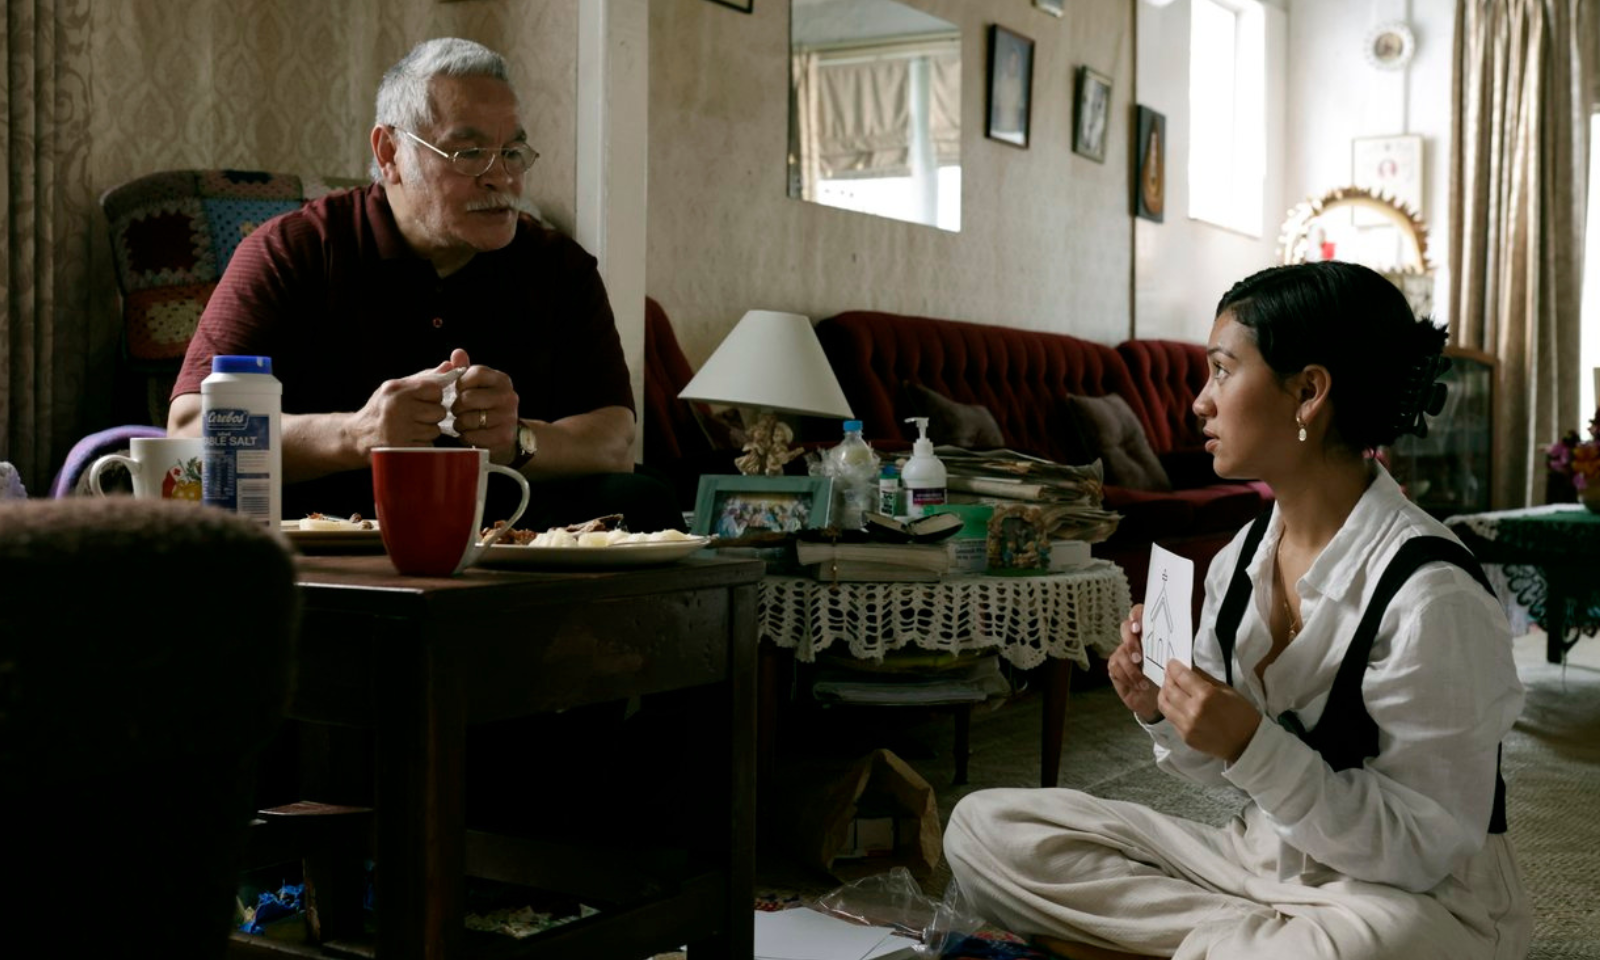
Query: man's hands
[[485, 408], [406, 412], [1209, 715]]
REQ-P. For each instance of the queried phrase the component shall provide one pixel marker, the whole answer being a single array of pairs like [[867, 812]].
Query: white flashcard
[[1167, 631]]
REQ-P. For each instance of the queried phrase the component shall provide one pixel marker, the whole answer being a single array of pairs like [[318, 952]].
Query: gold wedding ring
[[483, 419]]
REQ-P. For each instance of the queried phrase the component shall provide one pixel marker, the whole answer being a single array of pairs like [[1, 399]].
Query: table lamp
[[770, 363]]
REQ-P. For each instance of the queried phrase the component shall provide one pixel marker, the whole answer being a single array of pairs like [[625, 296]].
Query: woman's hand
[[1127, 671], [1209, 715]]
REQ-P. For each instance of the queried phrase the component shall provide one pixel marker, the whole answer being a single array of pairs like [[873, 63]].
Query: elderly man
[[363, 298]]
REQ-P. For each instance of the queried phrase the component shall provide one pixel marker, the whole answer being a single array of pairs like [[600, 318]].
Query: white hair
[[403, 99]]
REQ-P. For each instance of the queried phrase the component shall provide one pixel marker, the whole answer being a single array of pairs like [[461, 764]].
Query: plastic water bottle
[[854, 469], [240, 419]]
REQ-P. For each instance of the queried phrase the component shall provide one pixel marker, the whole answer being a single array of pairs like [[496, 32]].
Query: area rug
[[1551, 765]]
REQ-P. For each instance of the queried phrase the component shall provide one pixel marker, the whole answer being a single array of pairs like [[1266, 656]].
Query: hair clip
[[1422, 395]]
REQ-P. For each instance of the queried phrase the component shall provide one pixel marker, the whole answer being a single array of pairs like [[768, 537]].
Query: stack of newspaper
[[1070, 497]]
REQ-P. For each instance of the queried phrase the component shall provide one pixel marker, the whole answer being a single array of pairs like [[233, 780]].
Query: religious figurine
[[768, 449]]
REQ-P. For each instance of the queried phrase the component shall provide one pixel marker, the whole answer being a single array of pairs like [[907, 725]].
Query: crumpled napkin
[[447, 426]]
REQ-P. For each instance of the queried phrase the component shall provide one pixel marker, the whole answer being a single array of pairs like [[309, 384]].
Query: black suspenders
[[1346, 735]]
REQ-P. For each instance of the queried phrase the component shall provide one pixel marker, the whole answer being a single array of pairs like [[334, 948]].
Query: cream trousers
[[1119, 875]]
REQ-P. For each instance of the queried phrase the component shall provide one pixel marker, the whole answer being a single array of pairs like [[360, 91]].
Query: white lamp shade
[[774, 361]]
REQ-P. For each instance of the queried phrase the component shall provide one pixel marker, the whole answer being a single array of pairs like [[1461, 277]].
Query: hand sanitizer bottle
[[924, 476]]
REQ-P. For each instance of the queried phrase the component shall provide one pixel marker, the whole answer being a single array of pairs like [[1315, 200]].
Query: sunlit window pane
[[1227, 109]]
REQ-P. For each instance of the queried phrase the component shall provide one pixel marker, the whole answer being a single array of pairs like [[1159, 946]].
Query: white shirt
[[1441, 686]]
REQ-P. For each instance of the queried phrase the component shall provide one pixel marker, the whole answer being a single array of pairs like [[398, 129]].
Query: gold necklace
[[1294, 628]]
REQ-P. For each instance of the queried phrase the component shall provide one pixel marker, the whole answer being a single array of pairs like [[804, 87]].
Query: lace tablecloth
[[1057, 615], [1535, 554]]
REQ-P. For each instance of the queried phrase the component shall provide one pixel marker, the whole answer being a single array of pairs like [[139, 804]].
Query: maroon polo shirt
[[334, 296]]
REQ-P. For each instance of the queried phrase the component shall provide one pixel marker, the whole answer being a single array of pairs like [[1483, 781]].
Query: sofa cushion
[[1168, 375], [1108, 426], [1018, 375], [968, 425]]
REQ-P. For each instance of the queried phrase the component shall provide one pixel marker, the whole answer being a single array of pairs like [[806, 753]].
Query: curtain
[[44, 299], [1522, 81], [853, 110]]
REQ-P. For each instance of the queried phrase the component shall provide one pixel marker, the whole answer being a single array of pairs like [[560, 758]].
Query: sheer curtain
[[1523, 92], [44, 289]]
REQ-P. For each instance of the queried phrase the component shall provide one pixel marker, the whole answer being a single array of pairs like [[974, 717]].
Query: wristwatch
[[527, 444]]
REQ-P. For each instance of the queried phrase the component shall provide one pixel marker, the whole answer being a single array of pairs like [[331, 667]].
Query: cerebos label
[[240, 403]]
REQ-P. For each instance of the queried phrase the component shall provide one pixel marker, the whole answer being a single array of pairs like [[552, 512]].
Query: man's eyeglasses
[[476, 161]]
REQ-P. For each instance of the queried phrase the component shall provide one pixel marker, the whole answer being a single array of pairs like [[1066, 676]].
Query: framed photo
[[1387, 165], [1055, 8], [733, 506], [743, 6], [1091, 115], [1150, 158], [1010, 86]]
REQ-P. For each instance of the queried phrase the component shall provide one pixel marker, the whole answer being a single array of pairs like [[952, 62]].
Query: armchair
[[172, 235], [128, 740]]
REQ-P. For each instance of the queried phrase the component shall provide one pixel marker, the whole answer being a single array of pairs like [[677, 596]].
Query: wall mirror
[[1359, 226], [875, 110]]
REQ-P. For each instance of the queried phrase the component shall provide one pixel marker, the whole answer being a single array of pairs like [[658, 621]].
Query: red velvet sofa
[[1023, 378]]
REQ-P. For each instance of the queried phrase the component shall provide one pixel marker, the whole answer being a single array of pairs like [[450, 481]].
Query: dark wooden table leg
[[1057, 684], [767, 698], [963, 748], [736, 793], [420, 856], [1559, 584]]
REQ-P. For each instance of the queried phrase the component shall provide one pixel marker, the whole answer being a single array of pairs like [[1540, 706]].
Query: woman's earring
[[1302, 426]]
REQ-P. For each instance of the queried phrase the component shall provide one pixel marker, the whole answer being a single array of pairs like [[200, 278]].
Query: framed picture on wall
[[1010, 86], [1091, 115], [1387, 165], [1150, 157]]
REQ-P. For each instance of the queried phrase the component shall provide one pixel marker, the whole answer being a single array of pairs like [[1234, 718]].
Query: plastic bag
[[894, 900]]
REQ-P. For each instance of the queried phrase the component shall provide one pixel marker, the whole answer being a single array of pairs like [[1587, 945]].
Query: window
[[1589, 315], [1227, 112]]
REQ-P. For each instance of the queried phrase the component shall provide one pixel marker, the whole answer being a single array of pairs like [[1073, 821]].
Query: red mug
[[430, 506]]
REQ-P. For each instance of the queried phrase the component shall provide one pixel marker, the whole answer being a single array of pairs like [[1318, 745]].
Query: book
[[852, 571], [924, 529], [973, 682], [928, 557]]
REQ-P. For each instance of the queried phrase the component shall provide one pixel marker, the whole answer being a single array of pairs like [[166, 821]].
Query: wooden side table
[[1050, 620], [418, 659]]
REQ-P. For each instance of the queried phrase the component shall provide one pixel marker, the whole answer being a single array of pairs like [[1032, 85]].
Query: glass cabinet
[[1447, 472]]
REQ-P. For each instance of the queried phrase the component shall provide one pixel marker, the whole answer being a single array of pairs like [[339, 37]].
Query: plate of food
[[562, 549], [321, 530]]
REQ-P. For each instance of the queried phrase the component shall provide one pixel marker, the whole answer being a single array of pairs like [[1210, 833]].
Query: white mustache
[[502, 202]]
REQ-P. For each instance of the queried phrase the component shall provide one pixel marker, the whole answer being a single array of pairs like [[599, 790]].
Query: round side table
[[1051, 619]]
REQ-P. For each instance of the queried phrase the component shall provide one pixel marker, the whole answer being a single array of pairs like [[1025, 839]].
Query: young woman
[[1353, 689]]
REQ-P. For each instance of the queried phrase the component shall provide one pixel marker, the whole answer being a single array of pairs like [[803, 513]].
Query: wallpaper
[[1046, 237]]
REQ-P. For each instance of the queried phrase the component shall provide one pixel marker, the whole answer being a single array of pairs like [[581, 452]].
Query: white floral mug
[[162, 468]]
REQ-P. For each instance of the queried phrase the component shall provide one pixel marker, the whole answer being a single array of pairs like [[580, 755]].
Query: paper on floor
[[805, 934]]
